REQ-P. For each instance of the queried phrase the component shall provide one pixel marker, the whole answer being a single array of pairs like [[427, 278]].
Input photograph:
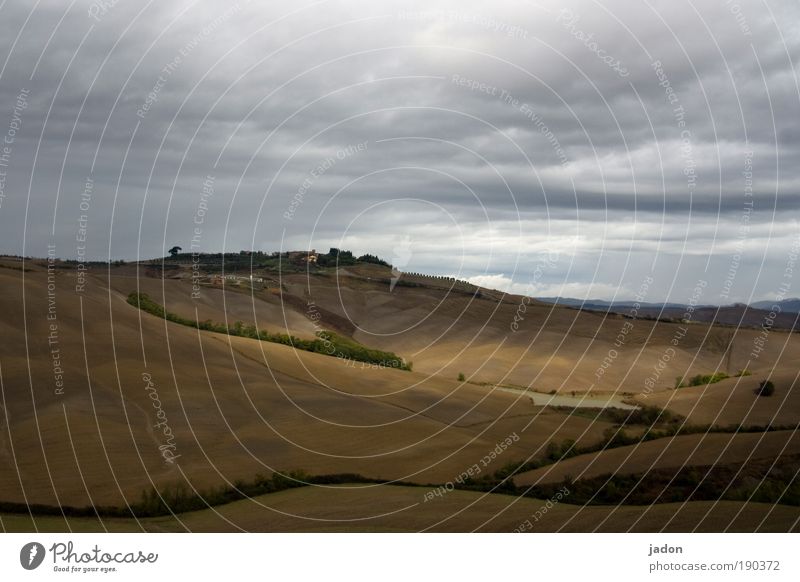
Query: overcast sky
[[570, 149]]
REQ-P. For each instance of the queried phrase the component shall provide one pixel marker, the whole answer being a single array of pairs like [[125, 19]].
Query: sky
[[608, 149]]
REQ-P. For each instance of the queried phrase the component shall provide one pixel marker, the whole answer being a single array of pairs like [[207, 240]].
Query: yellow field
[[401, 509], [687, 450], [237, 407], [732, 401]]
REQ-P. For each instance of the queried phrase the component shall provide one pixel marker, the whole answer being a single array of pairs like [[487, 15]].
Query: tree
[[174, 251], [461, 377], [345, 258], [765, 388], [368, 258]]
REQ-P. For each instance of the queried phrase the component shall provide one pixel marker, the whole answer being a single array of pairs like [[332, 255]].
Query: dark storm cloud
[[495, 116]]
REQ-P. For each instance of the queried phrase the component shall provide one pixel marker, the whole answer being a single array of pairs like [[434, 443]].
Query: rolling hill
[[103, 402]]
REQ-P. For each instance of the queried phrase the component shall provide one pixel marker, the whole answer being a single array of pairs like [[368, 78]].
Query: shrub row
[[760, 481], [613, 438], [181, 497], [704, 379], [327, 342]]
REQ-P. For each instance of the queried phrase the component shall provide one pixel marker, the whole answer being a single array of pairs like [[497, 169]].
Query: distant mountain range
[[740, 314], [787, 305]]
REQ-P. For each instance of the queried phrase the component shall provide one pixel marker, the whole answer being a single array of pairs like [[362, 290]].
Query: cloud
[[490, 131]]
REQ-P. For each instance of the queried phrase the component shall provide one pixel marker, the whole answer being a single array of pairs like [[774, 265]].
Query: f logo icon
[[31, 555]]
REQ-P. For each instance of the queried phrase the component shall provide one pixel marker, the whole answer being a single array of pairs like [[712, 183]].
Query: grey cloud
[[272, 101]]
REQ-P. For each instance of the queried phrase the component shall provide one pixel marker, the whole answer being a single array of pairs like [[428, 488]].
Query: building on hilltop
[[303, 257]]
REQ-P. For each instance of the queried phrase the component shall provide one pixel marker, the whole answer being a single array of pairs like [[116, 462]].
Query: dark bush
[[765, 388]]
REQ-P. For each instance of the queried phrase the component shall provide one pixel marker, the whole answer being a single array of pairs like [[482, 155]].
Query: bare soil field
[[401, 509], [550, 348], [235, 406], [686, 450], [97, 395], [733, 401]]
